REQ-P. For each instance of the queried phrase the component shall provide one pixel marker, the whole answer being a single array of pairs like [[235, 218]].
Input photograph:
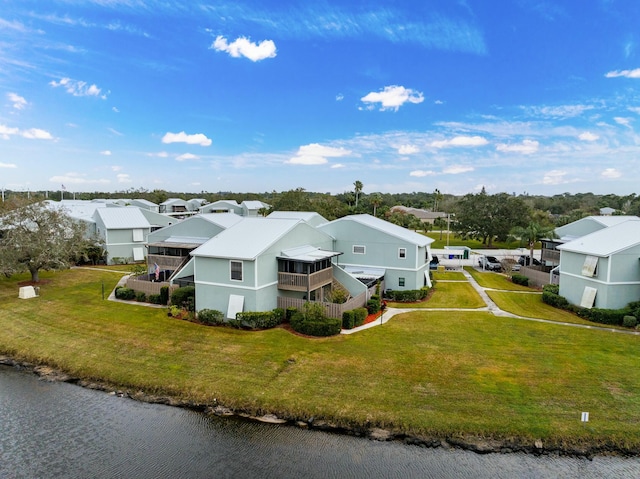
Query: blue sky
[[522, 96]]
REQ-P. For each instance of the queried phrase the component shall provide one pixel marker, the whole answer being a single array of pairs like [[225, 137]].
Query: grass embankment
[[425, 373], [446, 295]]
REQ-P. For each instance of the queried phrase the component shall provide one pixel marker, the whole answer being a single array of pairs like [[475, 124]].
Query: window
[[138, 235], [357, 249], [401, 282], [588, 297], [138, 254], [590, 266], [402, 253], [236, 270]]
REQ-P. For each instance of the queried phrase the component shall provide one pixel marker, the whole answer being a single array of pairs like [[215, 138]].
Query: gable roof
[[254, 204], [607, 241], [225, 220], [122, 218], [310, 217], [420, 213], [385, 227], [567, 232], [247, 238]]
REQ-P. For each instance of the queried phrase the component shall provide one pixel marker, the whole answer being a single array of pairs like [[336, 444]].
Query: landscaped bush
[[407, 296], [184, 297], [596, 315], [164, 295], [359, 315], [629, 321], [373, 305], [551, 288], [554, 299], [125, 293], [605, 316], [260, 319], [348, 319], [312, 321], [155, 299], [141, 297], [520, 279], [290, 311], [210, 317]]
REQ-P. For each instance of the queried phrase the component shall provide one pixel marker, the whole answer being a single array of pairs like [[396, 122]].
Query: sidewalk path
[[491, 306]]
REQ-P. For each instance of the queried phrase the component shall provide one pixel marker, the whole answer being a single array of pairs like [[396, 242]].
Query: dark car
[[433, 264], [526, 261]]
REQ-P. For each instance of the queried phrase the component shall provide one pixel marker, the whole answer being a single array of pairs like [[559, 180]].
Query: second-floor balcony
[[305, 282]]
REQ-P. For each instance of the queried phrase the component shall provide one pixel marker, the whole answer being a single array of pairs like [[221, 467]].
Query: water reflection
[[60, 430]]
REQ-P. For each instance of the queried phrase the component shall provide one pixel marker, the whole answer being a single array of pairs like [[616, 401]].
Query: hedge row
[[407, 296], [520, 279], [261, 319], [616, 317], [313, 321], [354, 318]]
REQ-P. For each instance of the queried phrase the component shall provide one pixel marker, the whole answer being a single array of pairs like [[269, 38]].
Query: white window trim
[[402, 253], [231, 270], [364, 249], [403, 281]]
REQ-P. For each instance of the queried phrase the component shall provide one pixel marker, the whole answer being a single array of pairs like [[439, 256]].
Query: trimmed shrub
[[259, 319], [155, 299], [629, 321], [125, 293], [359, 315], [555, 300], [290, 311], [373, 305], [407, 296], [348, 319], [184, 297], [551, 288], [141, 297], [606, 316], [164, 295], [520, 279], [312, 321], [210, 317]]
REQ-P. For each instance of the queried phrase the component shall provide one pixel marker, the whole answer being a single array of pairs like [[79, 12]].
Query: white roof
[[310, 217], [79, 209], [308, 253], [122, 218], [254, 205], [365, 271], [225, 220], [144, 202], [607, 241], [388, 228], [246, 239]]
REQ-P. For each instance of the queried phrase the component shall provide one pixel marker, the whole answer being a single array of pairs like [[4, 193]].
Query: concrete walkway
[[491, 307]]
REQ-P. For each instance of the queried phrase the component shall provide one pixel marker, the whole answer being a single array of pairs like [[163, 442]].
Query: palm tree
[[358, 189], [376, 200], [437, 196], [532, 233]]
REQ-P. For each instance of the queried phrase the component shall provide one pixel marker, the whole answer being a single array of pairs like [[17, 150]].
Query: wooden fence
[[332, 310], [149, 287]]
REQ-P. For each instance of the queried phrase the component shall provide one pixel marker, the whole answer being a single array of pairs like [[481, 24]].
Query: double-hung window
[[236, 270], [402, 253]]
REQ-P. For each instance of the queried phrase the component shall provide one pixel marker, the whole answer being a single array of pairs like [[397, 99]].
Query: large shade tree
[[531, 234], [34, 237]]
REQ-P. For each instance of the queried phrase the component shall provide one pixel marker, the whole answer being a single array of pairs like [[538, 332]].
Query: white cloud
[[438, 102], [624, 73], [339, 97], [422, 173], [243, 47], [588, 136], [36, 134], [76, 179], [123, 178], [30, 134], [7, 165], [115, 110], [106, 153], [407, 149], [554, 177], [460, 141], [337, 165], [19, 103], [316, 154], [623, 121], [116, 168], [78, 88], [558, 112], [526, 147], [611, 173], [182, 137], [187, 156], [393, 97], [457, 169], [115, 132]]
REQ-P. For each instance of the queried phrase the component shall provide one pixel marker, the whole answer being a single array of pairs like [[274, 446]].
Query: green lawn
[[489, 279], [447, 295], [426, 372], [448, 276], [455, 240]]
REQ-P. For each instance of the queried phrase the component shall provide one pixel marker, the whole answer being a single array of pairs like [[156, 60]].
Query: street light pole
[[449, 215]]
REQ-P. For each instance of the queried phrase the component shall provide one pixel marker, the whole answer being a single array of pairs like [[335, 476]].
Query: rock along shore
[[477, 444]]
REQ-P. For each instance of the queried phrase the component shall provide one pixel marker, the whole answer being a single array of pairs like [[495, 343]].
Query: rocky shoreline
[[477, 444]]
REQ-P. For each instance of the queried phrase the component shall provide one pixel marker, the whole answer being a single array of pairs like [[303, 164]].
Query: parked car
[[526, 261], [489, 263], [433, 264]]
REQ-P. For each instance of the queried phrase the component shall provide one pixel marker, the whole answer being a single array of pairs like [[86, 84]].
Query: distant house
[[124, 231], [371, 246], [550, 254], [606, 211], [222, 206], [425, 216], [602, 268], [312, 218], [175, 207], [252, 208], [145, 205]]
